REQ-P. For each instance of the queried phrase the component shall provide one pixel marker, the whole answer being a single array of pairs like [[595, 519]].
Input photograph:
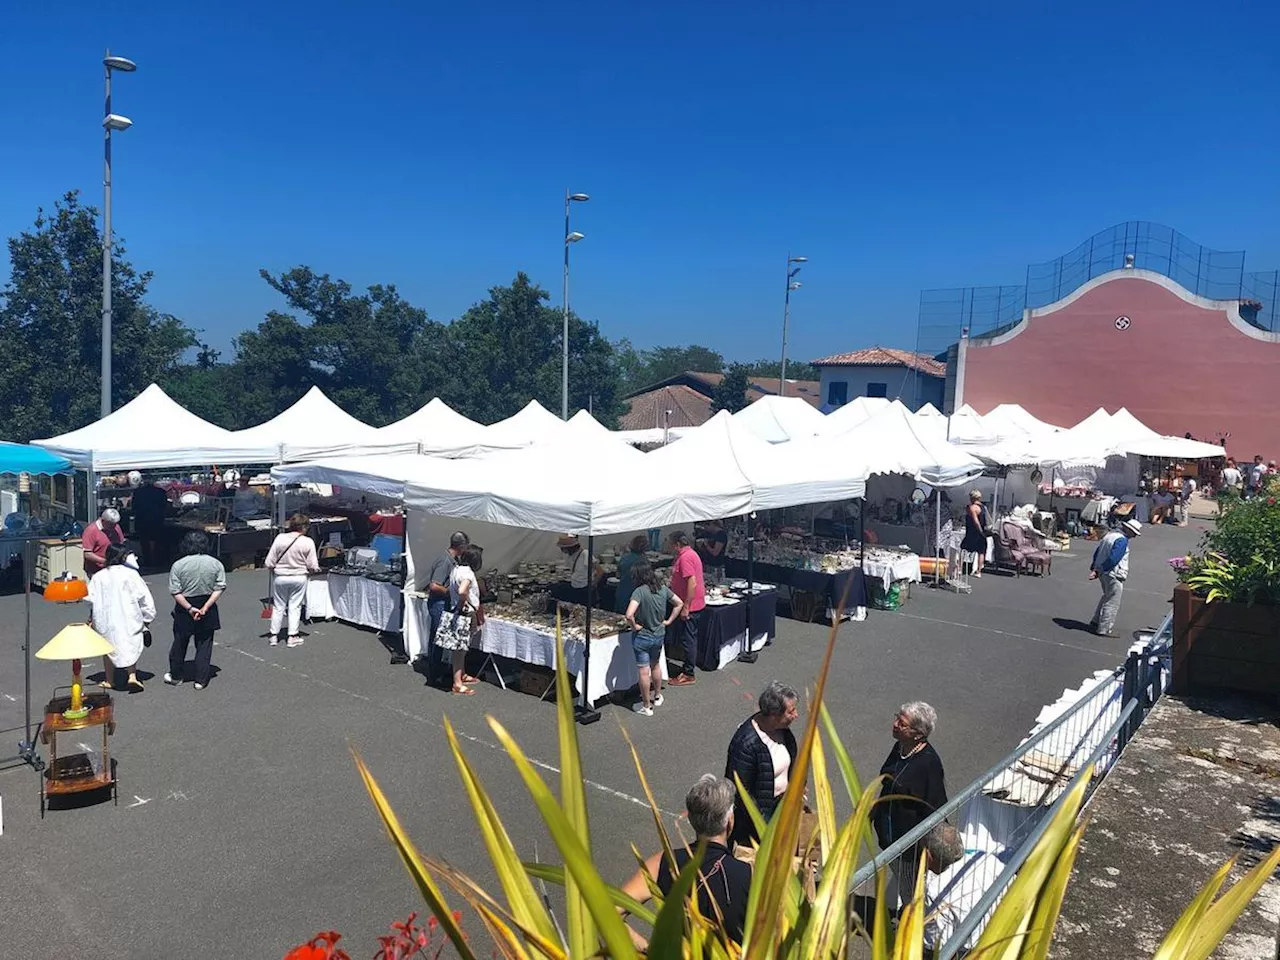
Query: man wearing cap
[[438, 596], [582, 576], [1110, 567], [97, 537]]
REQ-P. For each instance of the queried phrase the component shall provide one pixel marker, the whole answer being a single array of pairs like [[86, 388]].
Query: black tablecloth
[[721, 623], [319, 531], [832, 586]]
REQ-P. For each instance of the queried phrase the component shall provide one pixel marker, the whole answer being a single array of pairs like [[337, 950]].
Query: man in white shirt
[[1188, 491], [581, 575], [1256, 473], [1231, 477]]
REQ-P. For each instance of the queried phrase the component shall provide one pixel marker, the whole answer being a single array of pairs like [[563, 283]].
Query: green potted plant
[[1226, 607]]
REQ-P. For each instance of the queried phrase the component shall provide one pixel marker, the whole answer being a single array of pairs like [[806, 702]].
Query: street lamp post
[[110, 121], [570, 238], [792, 284]]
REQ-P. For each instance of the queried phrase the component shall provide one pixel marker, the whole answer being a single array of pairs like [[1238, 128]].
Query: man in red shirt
[[688, 585], [97, 537]]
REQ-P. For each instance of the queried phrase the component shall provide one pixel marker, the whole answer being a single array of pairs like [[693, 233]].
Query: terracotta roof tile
[[688, 407], [885, 357]]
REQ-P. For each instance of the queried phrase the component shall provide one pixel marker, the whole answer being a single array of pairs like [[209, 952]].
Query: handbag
[[988, 528], [456, 630]]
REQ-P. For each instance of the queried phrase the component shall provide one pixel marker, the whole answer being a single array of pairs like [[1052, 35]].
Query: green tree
[[51, 326], [731, 392], [661, 363], [768, 369], [507, 351]]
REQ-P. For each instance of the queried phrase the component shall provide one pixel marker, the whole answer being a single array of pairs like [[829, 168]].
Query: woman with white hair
[[723, 881], [913, 789]]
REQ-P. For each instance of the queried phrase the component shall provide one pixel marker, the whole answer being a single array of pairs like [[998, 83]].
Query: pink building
[[1133, 338]]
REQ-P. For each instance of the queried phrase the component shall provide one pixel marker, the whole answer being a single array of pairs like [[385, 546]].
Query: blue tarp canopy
[[21, 458]]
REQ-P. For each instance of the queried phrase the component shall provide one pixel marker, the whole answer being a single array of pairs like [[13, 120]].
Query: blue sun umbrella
[[22, 458]]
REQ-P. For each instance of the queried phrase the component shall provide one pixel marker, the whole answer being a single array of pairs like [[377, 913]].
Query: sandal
[[106, 685], [463, 692], [135, 684], [468, 678]]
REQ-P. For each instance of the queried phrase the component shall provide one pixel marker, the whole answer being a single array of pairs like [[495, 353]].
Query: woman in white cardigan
[[122, 608], [291, 558]]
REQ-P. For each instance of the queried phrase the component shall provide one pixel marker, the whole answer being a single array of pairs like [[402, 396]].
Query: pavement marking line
[[470, 738], [1006, 633]]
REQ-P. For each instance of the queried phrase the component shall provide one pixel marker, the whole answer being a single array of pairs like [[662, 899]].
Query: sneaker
[[198, 686], [683, 680], [657, 701], [294, 642], [274, 641], [168, 678], [641, 709]]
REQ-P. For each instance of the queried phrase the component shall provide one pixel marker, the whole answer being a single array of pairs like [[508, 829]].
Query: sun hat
[[566, 540], [1132, 527]]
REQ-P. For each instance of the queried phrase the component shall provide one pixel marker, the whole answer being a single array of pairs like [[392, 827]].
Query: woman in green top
[[653, 608], [636, 550]]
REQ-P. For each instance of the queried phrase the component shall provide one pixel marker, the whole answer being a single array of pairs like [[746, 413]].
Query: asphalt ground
[[243, 828]]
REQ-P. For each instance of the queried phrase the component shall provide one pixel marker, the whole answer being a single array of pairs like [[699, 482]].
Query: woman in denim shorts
[[653, 608]]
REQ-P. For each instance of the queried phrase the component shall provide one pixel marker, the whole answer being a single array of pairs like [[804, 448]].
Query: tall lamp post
[[111, 121], [792, 284], [570, 238]]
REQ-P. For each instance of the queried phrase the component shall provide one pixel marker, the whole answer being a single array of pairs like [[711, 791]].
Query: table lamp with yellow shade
[[75, 642]]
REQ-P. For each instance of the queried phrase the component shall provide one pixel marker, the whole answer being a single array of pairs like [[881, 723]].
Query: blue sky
[[899, 147]]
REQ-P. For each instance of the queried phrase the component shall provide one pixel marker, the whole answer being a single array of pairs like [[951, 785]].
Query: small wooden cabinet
[[53, 557], [80, 768]]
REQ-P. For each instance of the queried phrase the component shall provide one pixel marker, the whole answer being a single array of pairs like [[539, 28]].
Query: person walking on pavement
[[1110, 567], [761, 754], [291, 558], [688, 585], [196, 581], [438, 603]]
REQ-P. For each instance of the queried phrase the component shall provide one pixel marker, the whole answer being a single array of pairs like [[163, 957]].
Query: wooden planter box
[[1224, 646]]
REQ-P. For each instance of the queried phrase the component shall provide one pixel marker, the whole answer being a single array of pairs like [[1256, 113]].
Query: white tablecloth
[[417, 625], [613, 662], [368, 603], [904, 567], [319, 605]]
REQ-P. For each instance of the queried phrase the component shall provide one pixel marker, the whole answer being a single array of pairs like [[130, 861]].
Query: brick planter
[[1224, 646]]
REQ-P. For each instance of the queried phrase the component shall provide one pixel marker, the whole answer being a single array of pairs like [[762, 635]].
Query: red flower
[[1271, 501], [320, 947]]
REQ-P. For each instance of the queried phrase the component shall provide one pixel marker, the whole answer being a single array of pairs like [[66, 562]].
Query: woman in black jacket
[[761, 754], [913, 789]]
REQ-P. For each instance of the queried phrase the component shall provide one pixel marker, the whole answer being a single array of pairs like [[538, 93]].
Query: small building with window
[[913, 378]]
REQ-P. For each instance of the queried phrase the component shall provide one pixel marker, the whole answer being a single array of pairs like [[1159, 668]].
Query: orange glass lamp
[[75, 642], [66, 589]]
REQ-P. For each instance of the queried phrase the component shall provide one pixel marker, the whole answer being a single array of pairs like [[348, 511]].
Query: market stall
[[314, 427]]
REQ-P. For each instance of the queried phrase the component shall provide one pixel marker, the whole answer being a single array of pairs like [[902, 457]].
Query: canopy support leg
[[586, 713], [748, 655]]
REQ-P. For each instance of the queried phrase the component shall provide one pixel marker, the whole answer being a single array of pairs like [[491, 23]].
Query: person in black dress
[[723, 882], [913, 789], [975, 531]]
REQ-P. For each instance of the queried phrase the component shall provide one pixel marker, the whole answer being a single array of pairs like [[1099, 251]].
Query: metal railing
[[1001, 814]]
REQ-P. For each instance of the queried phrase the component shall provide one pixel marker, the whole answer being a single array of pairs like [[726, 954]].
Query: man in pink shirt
[[97, 537], [688, 585]]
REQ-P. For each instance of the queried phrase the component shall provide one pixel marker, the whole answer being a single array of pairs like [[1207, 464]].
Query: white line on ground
[[1006, 633], [470, 738]]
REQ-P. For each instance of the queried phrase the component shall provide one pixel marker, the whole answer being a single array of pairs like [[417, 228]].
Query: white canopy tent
[[929, 410], [534, 423], [856, 411], [1011, 419], [1136, 437], [152, 430], [438, 429], [383, 474], [896, 441], [778, 419], [313, 427], [725, 452]]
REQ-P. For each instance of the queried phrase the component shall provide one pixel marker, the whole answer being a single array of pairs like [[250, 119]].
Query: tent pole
[[586, 712], [748, 655], [862, 545], [26, 746], [937, 534]]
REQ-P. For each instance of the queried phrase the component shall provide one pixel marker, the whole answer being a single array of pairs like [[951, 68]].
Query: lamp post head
[[794, 285], [580, 197], [119, 63], [797, 259], [114, 121], [574, 237]]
